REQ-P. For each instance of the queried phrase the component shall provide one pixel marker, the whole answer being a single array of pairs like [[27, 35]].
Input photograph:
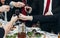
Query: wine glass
[[5, 17], [17, 13]]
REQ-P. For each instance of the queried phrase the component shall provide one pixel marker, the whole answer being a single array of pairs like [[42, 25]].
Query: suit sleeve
[[42, 18], [2, 32]]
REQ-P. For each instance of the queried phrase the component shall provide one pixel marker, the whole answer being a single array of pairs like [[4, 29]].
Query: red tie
[[47, 7], [23, 9]]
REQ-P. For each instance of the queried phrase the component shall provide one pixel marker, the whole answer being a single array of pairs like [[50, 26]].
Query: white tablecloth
[[47, 34]]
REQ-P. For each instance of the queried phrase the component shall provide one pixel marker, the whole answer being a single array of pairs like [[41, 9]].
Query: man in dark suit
[[49, 20]]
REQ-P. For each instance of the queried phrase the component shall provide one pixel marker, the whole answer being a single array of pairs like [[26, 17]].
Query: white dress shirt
[[50, 7]]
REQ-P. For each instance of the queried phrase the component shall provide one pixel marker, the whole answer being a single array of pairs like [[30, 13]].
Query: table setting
[[31, 32]]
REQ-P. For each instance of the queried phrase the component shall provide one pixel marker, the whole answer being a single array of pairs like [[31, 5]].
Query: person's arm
[[41, 18], [5, 29], [9, 25]]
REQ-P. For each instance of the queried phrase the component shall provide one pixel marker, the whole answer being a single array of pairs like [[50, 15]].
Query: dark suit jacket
[[55, 11], [50, 22], [2, 32]]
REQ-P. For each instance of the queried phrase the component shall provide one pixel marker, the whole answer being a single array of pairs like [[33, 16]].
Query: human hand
[[28, 9], [23, 17], [20, 4], [4, 8], [14, 19]]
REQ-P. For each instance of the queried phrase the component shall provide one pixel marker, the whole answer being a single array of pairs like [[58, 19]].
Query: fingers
[[28, 9], [14, 18], [5, 8], [20, 4], [21, 16], [17, 4]]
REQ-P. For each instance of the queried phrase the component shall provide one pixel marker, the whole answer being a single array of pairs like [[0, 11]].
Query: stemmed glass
[[17, 13], [5, 17]]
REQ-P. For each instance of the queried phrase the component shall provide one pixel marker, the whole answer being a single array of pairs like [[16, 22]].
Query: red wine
[[22, 34]]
